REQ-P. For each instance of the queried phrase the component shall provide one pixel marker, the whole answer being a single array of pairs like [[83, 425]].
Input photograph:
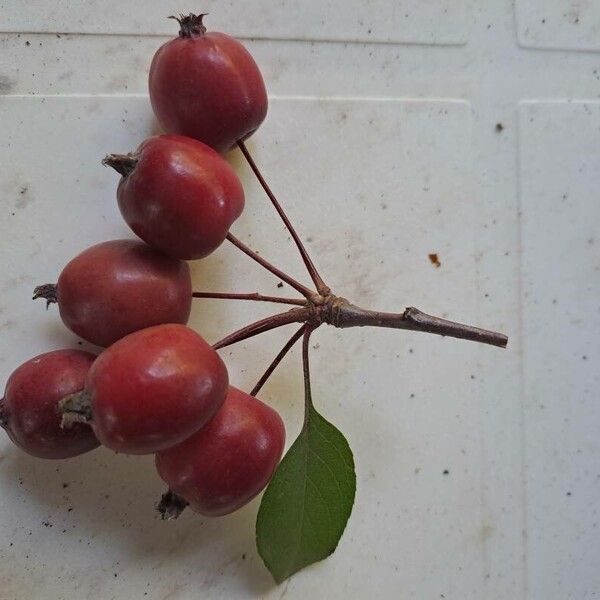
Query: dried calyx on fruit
[[190, 25]]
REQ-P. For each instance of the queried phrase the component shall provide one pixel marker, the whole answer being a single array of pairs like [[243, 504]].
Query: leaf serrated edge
[[280, 575]]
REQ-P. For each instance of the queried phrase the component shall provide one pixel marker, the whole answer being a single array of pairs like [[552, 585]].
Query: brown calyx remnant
[[123, 164], [171, 505], [75, 408], [3, 413], [48, 291], [190, 25]]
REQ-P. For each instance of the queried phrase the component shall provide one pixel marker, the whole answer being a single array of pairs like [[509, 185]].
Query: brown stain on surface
[[94, 107], [364, 277], [434, 259], [12, 282], [485, 533]]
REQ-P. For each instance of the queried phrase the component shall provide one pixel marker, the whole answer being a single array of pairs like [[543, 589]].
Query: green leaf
[[305, 509]]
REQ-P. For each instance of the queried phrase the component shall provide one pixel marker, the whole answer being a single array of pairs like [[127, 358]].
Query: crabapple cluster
[[157, 387]]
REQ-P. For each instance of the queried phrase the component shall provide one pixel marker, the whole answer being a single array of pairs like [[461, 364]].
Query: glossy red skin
[[208, 87], [117, 287], [29, 409], [230, 460], [181, 197], [155, 388]]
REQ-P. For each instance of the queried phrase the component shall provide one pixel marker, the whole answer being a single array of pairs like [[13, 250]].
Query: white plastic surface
[[571, 24], [559, 173], [485, 153], [408, 21]]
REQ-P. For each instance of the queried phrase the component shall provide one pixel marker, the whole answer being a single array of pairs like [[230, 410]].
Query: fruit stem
[[288, 346], [306, 292], [171, 505], [75, 408], [48, 291], [338, 312], [412, 319], [322, 288], [190, 25], [253, 296], [306, 371], [121, 163], [296, 315]]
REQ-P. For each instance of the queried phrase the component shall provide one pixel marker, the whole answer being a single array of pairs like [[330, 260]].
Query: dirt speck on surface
[[24, 197], [118, 83], [499, 127], [6, 84], [434, 259], [66, 76], [8, 324], [118, 49]]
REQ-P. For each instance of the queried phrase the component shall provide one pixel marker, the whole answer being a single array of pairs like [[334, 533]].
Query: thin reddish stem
[[296, 315], [306, 292], [288, 346], [306, 371], [322, 288], [253, 296]]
